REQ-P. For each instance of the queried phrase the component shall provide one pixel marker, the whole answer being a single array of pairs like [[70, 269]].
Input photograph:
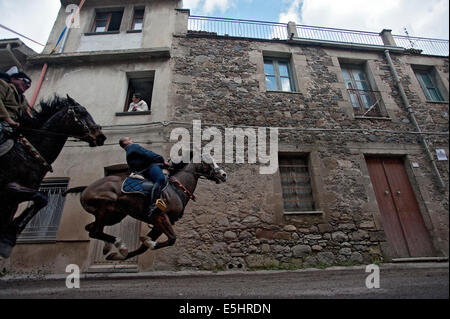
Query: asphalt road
[[430, 281]]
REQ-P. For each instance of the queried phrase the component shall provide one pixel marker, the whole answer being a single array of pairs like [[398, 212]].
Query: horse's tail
[[75, 190]]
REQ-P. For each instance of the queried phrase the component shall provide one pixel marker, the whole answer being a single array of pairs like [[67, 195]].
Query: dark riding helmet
[[14, 72]]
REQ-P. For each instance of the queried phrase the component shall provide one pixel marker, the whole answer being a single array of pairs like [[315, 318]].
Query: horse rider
[[147, 163], [13, 84]]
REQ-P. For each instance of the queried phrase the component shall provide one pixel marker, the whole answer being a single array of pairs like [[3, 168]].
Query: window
[[44, 226], [142, 83], [296, 184], [429, 86], [278, 75], [138, 19], [364, 99], [107, 21]]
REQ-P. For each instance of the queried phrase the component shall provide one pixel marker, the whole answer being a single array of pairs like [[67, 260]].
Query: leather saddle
[[138, 184]]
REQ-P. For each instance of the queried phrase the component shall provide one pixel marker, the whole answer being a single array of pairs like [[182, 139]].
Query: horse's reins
[[47, 132], [35, 152], [184, 189]]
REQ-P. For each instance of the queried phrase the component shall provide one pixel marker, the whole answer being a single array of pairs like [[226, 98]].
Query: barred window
[[296, 184], [44, 226], [364, 100]]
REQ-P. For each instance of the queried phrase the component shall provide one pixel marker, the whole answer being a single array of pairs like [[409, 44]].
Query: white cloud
[[292, 13], [191, 4], [205, 7], [421, 18], [33, 19]]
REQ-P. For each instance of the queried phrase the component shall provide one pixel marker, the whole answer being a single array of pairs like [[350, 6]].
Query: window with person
[[140, 91]]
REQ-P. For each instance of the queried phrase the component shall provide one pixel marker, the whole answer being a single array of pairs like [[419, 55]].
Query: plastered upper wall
[[159, 24], [102, 89]]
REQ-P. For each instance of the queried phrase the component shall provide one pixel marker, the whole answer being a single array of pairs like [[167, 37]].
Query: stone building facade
[[223, 81]]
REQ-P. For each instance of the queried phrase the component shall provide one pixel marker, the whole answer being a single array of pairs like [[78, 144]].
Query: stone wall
[[242, 223]]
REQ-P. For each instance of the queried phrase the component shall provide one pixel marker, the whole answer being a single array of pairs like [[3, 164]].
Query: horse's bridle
[[70, 111], [210, 176], [78, 120]]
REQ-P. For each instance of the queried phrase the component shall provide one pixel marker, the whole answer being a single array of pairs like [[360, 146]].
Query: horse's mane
[[45, 110], [175, 168], [181, 165]]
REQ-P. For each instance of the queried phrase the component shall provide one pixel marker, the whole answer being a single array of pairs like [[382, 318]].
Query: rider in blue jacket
[[148, 164]]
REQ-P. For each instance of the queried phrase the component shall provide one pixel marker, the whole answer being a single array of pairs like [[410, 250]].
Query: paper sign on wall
[[441, 155]]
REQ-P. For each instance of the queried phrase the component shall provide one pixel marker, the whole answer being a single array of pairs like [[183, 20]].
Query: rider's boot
[[158, 205], [2, 135], [5, 142]]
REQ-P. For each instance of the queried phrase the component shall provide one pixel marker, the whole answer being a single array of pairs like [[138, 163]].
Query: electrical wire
[[23, 36], [125, 128], [117, 127]]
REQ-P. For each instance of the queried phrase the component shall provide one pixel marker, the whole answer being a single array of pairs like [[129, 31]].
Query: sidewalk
[[200, 273], [392, 281]]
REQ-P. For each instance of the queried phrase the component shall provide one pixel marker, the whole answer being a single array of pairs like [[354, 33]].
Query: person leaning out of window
[[138, 104]]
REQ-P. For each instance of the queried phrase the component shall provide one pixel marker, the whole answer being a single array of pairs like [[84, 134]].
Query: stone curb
[[162, 274]]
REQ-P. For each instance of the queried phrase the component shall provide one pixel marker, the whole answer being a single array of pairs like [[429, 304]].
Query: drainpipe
[[39, 84], [414, 121]]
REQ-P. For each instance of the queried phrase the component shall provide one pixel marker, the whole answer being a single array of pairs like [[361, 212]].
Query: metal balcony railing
[[426, 45], [366, 103], [238, 28], [280, 31], [338, 35]]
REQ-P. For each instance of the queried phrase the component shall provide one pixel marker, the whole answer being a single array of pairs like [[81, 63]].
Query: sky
[[421, 18]]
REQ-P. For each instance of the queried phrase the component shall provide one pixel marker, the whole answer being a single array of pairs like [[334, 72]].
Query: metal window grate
[[296, 184], [44, 226]]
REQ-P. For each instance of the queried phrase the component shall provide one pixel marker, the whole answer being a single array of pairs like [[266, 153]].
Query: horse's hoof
[[107, 248], [148, 242], [123, 249], [5, 250], [115, 256]]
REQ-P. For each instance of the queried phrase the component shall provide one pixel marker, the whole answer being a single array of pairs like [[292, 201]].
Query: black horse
[[22, 169]]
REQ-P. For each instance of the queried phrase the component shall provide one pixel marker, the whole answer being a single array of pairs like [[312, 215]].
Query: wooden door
[[403, 224]]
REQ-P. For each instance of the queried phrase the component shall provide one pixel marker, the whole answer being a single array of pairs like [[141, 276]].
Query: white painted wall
[[121, 41]]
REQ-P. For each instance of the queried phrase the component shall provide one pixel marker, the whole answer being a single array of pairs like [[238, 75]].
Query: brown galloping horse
[[105, 200]]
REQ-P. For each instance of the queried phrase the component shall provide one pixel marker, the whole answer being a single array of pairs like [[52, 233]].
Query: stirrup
[[161, 204]]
